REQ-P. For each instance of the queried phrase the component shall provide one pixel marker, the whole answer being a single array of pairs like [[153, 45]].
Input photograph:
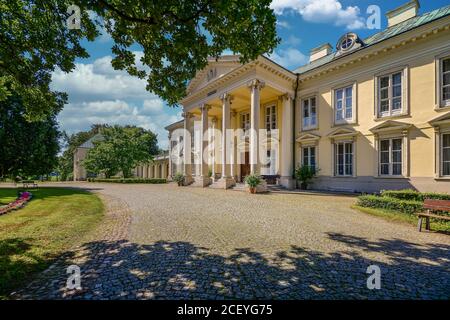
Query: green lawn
[[7, 196], [436, 225], [32, 237]]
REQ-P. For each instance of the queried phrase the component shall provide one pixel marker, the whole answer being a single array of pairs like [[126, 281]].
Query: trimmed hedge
[[129, 180], [414, 195], [405, 206]]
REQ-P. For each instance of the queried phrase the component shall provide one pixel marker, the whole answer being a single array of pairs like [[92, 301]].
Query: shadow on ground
[[181, 270]]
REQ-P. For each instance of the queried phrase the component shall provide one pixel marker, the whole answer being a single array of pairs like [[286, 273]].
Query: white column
[[145, 173], [187, 149], [213, 146], [233, 147], [255, 88], [227, 180], [287, 165], [170, 174], [202, 179]]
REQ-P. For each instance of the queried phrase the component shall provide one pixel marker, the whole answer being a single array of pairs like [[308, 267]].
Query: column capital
[[437, 129], [205, 107], [226, 97], [233, 113], [214, 119], [285, 97], [187, 115], [256, 84]]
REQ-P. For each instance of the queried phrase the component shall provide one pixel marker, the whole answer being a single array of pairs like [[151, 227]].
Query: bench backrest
[[441, 205]]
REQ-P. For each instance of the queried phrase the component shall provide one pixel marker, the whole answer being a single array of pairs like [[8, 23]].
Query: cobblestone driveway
[[166, 242]]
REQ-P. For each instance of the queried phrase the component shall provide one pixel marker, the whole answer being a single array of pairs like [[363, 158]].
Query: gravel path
[[162, 241]]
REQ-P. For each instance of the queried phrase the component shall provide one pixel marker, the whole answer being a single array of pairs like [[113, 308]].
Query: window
[[391, 157], [390, 97], [446, 154], [309, 156], [271, 118], [343, 158], [343, 104], [445, 82], [245, 122], [309, 111]]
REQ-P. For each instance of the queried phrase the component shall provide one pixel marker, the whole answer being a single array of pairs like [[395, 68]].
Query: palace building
[[370, 114]]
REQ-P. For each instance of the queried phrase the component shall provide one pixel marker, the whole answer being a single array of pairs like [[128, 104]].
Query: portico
[[237, 121]]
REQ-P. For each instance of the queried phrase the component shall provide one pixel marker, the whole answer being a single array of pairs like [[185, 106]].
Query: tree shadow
[[182, 270]]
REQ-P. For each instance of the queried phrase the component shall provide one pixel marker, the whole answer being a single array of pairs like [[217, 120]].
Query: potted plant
[[253, 181], [305, 174], [179, 179]]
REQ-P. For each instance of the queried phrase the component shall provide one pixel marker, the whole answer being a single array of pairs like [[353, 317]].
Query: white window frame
[[344, 87], [391, 163], [308, 120], [309, 155], [441, 154], [440, 82], [336, 162], [271, 117], [404, 93], [245, 124]]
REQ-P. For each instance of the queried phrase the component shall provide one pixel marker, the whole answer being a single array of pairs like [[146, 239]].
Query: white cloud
[[289, 58], [100, 94], [322, 11], [283, 24]]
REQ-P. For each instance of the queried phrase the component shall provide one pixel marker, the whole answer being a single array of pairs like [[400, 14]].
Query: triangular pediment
[[214, 70], [440, 120], [308, 137], [342, 133], [391, 125]]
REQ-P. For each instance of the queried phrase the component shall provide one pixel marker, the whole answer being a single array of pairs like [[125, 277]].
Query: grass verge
[[395, 216], [31, 238]]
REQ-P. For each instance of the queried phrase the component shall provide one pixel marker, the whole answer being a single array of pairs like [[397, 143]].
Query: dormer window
[[348, 42], [212, 73]]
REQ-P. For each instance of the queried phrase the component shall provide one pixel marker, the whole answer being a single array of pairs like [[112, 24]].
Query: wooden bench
[[27, 183], [430, 206]]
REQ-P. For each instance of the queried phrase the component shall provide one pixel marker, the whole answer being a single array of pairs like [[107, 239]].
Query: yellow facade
[[394, 133]]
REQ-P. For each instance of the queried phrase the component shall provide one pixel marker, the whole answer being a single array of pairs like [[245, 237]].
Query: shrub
[[253, 180], [129, 180], [405, 206], [414, 195], [179, 178], [305, 174]]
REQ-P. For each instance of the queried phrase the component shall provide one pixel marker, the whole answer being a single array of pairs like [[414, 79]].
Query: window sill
[[309, 129], [442, 178], [392, 177], [343, 123], [440, 108], [395, 116], [344, 177]]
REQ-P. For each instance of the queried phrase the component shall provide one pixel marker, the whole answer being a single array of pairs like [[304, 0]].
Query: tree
[[69, 143], [177, 37], [122, 149], [34, 41], [26, 148]]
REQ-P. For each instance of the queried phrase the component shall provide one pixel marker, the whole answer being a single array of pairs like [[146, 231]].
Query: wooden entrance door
[[245, 167]]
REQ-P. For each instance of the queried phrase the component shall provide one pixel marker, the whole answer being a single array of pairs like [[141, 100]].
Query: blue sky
[[99, 94]]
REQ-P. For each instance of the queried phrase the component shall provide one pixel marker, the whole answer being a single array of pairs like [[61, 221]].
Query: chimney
[[405, 12], [320, 52]]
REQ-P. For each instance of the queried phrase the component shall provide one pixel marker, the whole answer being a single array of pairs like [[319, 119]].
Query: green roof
[[388, 33]]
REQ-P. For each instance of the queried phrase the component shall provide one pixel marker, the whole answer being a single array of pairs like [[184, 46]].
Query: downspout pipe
[[294, 132]]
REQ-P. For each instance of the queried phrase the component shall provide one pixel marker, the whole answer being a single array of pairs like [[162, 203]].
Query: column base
[[225, 183], [188, 180], [202, 181], [287, 182]]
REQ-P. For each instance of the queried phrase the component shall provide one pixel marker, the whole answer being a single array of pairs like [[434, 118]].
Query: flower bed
[[128, 180], [20, 202]]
